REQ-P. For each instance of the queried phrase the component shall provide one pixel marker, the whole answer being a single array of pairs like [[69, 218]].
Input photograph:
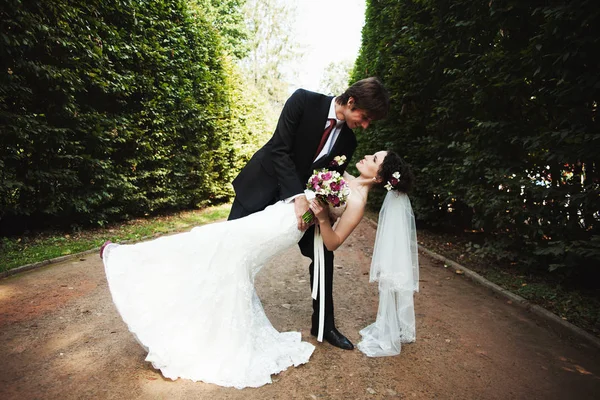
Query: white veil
[[395, 265]]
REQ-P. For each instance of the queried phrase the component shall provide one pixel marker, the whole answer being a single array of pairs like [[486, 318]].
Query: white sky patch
[[327, 30]]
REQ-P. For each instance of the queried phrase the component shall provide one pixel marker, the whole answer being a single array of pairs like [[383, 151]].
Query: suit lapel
[[340, 147], [342, 139], [317, 121]]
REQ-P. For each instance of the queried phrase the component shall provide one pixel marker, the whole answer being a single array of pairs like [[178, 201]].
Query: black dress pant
[[306, 245]]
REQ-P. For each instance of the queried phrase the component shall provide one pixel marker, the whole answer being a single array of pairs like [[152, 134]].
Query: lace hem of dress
[[190, 300]]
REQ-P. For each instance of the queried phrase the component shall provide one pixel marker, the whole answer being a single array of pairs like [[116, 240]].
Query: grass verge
[[23, 250]]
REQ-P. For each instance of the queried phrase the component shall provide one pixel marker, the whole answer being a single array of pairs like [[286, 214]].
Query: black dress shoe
[[335, 338]]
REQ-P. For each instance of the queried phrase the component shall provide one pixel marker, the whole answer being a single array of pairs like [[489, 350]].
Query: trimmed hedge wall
[[496, 107], [111, 109]]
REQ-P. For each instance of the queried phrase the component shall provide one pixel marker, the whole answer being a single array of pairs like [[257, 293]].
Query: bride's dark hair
[[391, 164]]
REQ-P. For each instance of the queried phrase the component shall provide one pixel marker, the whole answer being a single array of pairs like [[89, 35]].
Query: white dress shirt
[[334, 134]]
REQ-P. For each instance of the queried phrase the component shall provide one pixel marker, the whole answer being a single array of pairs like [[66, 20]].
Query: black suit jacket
[[281, 168]]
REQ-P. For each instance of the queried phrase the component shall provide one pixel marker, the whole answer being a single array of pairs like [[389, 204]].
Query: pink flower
[[328, 186]]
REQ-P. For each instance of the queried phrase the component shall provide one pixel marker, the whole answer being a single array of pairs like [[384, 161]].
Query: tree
[[272, 48], [336, 77], [227, 18]]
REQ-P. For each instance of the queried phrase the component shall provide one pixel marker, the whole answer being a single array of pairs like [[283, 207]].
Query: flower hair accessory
[[338, 161], [393, 182]]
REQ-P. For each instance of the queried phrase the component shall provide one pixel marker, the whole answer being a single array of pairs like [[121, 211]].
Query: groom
[[312, 130]]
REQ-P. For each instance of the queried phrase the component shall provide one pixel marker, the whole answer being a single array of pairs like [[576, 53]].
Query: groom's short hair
[[369, 95]]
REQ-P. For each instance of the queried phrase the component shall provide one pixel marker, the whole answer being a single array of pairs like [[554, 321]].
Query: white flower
[[396, 175], [388, 186], [339, 160]]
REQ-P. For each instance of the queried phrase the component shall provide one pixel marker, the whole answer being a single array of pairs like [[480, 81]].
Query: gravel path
[[61, 338]]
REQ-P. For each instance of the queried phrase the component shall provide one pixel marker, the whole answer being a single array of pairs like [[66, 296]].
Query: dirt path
[[61, 338]]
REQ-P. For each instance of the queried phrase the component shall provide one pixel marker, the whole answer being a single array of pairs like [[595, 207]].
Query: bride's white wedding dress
[[189, 299]]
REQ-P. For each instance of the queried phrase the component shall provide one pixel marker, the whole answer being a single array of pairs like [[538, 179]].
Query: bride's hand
[[321, 212]]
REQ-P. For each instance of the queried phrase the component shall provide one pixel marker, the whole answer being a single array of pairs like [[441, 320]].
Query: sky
[[340, 40]]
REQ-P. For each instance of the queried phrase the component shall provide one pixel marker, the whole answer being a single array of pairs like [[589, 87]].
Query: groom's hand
[[301, 206]]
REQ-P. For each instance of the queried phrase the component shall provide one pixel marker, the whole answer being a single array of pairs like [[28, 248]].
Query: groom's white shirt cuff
[[330, 141], [309, 196], [290, 199]]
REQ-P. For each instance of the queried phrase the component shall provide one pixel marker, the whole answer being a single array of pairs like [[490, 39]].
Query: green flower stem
[[308, 216]]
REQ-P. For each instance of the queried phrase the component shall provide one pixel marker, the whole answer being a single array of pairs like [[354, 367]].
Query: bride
[[189, 298]]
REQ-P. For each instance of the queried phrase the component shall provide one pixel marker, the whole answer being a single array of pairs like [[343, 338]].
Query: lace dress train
[[190, 300]]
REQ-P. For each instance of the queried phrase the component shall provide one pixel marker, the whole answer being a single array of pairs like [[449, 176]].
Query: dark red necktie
[[326, 134]]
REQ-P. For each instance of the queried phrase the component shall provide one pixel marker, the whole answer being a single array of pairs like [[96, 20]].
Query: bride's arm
[[333, 239]]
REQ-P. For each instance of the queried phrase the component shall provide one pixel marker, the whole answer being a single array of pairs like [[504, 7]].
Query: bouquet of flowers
[[329, 187]]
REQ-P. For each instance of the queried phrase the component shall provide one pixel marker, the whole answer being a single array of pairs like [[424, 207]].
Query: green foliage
[[273, 50], [23, 250], [495, 106], [250, 116], [335, 78], [227, 18], [111, 109]]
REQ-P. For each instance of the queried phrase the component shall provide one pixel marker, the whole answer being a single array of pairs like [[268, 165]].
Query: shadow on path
[[61, 338]]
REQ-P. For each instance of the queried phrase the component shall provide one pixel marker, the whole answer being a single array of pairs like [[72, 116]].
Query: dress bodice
[[336, 212]]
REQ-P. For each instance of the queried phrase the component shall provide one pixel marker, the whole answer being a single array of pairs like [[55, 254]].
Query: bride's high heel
[[104, 246]]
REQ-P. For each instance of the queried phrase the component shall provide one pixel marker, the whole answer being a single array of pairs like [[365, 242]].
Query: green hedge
[[110, 109], [495, 104]]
